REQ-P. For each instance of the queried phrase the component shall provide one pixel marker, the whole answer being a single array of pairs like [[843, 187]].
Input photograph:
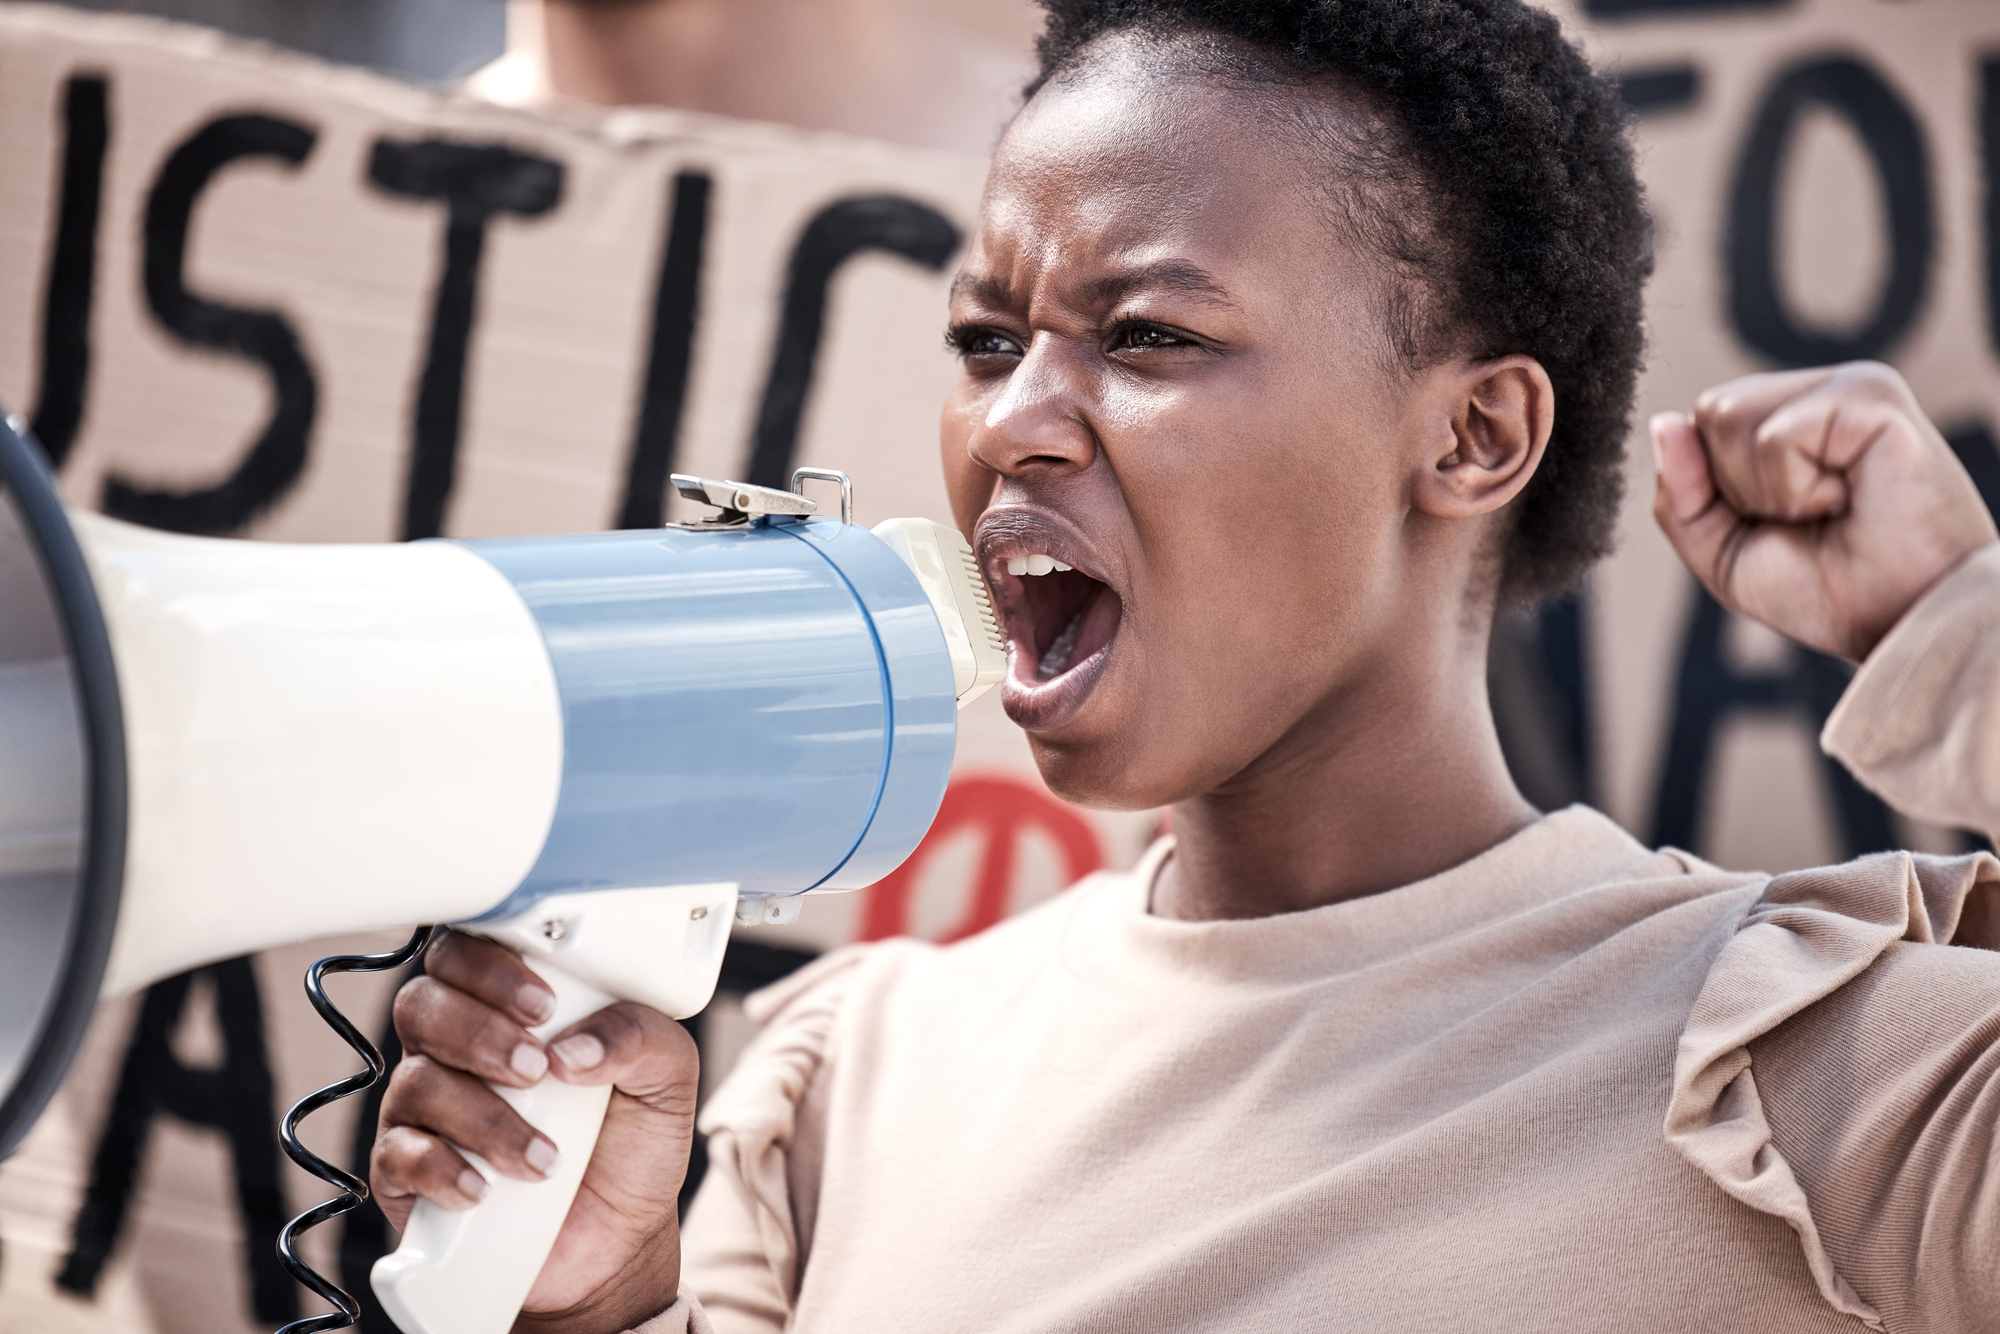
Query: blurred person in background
[[928, 75]]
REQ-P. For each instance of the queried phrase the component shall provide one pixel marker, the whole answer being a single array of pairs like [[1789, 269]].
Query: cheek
[[1263, 553], [968, 485]]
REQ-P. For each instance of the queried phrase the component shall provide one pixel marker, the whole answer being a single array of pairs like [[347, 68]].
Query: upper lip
[[1027, 530]]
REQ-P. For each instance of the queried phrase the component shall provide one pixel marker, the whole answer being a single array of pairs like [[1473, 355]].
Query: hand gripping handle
[[468, 1271]]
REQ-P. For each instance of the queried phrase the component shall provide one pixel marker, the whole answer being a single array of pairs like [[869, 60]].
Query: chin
[[1100, 776]]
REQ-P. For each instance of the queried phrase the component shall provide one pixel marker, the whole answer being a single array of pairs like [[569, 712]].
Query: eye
[[1144, 336], [972, 341]]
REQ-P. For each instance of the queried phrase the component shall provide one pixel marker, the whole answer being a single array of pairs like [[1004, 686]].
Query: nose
[[1038, 422]]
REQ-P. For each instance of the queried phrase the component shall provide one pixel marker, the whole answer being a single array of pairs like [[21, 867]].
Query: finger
[[1839, 423], [449, 1103], [1728, 416], [1807, 446], [1696, 518], [1731, 411], [491, 973], [441, 1022], [1680, 466], [406, 1164], [645, 1054]]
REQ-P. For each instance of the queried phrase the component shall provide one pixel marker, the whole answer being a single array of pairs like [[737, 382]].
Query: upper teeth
[[1035, 564]]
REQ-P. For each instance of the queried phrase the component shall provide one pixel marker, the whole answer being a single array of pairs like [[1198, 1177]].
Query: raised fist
[[1822, 503]]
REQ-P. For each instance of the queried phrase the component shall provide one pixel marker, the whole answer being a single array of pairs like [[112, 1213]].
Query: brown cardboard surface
[[554, 374]]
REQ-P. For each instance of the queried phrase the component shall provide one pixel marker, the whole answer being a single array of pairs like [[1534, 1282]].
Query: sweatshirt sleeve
[[685, 1316], [1920, 722], [1841, 1071], [746, 1236], [1885, 1102]]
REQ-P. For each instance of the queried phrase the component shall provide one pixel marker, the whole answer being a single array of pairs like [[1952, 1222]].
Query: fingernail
[[529, 1061], [580, 1052], [536, 1001], [542, 1156], [1654, 427], [471, 1183]]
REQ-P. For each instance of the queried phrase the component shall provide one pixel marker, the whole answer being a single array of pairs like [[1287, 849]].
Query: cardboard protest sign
[[242, 292], [1823, 178]]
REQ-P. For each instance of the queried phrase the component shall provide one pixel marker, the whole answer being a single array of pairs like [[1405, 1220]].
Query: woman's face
[[1177, 383]]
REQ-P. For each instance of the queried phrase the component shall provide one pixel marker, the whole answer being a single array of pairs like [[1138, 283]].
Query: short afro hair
[[1522, 147]]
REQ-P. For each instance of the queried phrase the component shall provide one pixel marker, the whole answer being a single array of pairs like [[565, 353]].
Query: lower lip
[[1046, 705]]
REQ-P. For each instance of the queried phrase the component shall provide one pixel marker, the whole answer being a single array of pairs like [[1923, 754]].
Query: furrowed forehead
[[1356, 172], [1176, 277]]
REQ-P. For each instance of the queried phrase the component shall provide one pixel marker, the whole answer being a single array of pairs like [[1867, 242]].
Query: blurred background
[[756, 205], [432, 40]]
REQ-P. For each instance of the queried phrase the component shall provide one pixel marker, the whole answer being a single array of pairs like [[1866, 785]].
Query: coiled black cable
[[353, 1190]]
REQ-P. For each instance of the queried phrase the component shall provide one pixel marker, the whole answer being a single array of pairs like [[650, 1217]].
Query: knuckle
[[621, 1028], [1721, 404], [398, 1093], [449, 944], [438, 1163], [419, 1003], [407, 1006], [1874, 381], [414, 1088], [493, 1039], [441, 957], [400, 1149], [496, 1123], [478, 967]]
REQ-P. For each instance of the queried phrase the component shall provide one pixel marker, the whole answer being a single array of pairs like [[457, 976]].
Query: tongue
[[1088, 628], [1056, 660]]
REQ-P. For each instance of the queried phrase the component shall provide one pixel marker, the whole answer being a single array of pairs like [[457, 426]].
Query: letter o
[[1895, 144]]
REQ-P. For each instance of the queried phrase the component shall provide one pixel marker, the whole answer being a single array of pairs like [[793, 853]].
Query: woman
[[1305, 334]]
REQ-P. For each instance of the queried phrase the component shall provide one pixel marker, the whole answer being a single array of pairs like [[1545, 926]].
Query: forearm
[[1920, 724]]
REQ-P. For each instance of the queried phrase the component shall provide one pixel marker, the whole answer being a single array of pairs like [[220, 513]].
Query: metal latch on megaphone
[[742, 503]]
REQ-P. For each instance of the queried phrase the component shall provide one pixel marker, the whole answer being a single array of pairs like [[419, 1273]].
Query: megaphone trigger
[[468, 1271]]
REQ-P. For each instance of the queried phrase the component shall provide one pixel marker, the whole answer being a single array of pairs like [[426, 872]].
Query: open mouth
[[1059, 620], [1067, 618]]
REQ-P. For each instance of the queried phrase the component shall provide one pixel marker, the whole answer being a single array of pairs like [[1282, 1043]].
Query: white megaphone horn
[[598, 749]]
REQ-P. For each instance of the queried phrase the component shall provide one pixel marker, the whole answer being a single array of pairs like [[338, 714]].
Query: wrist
[[640, 1290]]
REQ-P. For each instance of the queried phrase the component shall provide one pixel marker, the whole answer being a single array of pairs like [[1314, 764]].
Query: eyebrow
[[987, 289], [1172, 275]]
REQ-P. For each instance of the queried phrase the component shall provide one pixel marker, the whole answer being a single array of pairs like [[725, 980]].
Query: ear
[[1497, 418]]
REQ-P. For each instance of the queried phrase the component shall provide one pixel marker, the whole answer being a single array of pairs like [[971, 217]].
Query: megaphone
[[599, 749]]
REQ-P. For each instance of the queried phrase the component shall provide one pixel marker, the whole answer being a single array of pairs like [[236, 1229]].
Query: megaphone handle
[[468, 1271]]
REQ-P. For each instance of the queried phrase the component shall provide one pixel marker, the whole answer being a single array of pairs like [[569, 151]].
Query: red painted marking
[[1005, 809]]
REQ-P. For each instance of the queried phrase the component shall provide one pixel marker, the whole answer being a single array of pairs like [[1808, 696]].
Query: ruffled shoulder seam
[[1806, 936], [752, 1119]]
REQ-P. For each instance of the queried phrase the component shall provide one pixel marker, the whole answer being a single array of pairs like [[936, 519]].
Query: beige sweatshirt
[[1569, 1085]]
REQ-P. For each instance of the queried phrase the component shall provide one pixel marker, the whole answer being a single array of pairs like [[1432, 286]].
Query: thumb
[[1690, 511]]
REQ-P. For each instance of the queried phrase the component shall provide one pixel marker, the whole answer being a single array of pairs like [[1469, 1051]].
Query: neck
[[1396, 778]]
